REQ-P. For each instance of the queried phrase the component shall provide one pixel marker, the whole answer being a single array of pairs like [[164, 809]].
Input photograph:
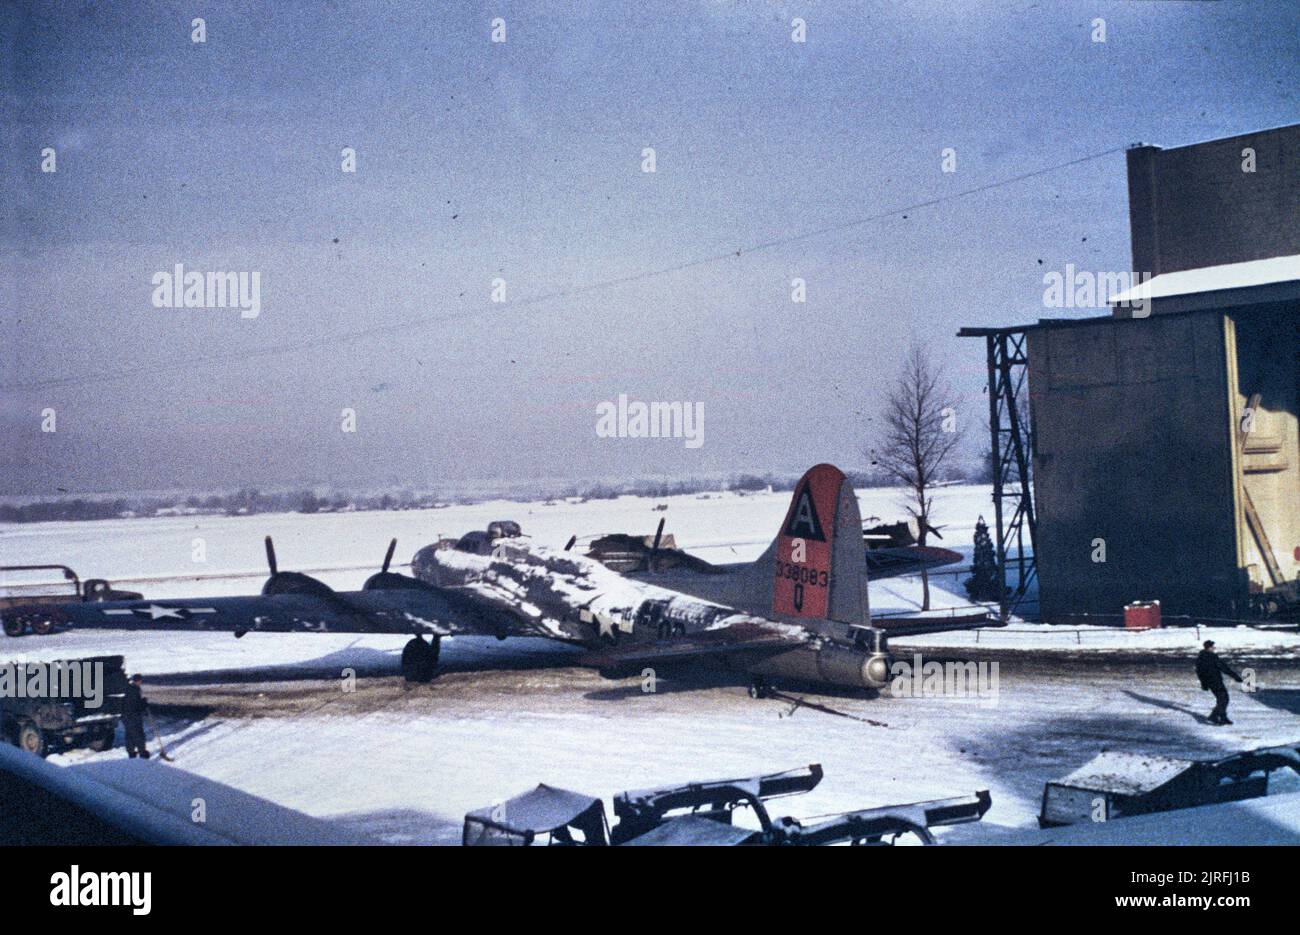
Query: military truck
[[46, 725], [90, 591]]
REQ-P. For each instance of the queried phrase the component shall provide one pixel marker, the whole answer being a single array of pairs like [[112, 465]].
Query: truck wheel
[[42, 627], [102, 742], [14, 627], [31, 739]]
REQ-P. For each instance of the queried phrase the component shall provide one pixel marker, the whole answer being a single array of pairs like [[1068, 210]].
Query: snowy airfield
[[266, 713]]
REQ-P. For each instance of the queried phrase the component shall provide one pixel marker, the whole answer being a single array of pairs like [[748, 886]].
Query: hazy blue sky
[[522, 160]]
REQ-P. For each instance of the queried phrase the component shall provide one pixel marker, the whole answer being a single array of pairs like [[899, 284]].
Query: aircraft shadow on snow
[[484, 655], [694, 678]]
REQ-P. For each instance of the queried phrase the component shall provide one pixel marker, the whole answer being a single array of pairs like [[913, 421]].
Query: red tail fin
[[820, 560]]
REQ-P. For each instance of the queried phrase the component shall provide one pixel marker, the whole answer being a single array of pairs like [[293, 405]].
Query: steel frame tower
[[1011, 441]]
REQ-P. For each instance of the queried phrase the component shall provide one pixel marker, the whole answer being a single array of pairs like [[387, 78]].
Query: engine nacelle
[[833, 663]]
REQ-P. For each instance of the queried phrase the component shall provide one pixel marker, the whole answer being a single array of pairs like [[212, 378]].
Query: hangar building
[[1164, 451]]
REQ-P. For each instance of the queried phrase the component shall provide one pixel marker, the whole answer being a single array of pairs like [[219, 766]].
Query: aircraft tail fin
[[818, 560]]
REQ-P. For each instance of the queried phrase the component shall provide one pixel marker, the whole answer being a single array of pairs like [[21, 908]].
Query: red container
[[1142, 615]]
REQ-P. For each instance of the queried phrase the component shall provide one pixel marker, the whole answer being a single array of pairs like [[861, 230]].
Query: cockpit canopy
[[479, 542]]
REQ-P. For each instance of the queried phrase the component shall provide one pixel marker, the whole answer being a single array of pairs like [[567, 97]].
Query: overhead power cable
[[427, 321]]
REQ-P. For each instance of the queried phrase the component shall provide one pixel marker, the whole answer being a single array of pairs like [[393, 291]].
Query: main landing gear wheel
[[420, 660]]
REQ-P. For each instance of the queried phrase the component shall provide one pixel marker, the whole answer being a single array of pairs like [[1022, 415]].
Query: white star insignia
[[157, 611]]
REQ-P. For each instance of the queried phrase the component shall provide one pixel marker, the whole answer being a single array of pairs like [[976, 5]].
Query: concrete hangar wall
[[1136, 444], [1194, 206], [1138, 421]]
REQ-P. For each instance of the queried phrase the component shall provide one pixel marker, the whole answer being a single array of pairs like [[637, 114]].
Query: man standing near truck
[[134, 706]]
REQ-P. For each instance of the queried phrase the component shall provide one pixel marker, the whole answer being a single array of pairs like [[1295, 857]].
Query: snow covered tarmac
[[267, 713], [405, 765]]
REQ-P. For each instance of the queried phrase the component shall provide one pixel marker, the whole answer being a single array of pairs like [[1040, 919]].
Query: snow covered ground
[[158, 555], [404, 766], [1019, 636], [267, 713]]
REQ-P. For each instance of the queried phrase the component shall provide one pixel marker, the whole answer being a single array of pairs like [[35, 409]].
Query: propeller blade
[[270, 554], [654, 549], [568, 545], [388, 556]]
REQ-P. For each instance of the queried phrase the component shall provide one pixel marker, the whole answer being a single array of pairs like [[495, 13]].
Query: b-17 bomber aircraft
[[798, 612]]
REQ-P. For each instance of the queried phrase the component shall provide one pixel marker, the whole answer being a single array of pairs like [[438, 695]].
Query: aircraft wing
[[915, 626], [428, 610], [907, 560], [748, 635]]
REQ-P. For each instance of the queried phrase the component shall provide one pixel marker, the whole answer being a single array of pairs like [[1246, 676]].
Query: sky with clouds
[[522, 161]]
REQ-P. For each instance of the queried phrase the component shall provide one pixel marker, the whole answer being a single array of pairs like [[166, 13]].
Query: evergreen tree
[[983, 583]]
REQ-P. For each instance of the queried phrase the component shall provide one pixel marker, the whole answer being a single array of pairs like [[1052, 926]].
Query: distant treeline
[[241, 503], [247, 502]]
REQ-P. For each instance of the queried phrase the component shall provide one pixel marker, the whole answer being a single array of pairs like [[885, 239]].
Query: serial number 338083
[[802, 574]]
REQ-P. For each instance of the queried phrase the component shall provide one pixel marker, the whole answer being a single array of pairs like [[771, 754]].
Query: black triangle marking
[[804, 521]]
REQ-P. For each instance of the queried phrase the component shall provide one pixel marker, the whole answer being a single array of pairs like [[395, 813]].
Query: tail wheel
[[31, 738], [419, 660], [435, 650]]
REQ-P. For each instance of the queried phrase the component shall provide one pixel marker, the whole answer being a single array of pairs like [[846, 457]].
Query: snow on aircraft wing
[[566, 596], [424, 610]]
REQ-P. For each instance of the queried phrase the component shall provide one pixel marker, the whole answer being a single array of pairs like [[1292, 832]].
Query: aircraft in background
[[798, 612], [891, 551]]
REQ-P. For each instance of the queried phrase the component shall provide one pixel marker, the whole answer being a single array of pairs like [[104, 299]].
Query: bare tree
[[920, 434]]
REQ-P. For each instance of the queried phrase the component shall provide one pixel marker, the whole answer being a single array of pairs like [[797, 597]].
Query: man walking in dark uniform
[[134, 706], [1210, 669]]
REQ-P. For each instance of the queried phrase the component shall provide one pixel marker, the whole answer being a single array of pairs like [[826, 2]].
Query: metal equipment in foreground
[[1116, 785], [702, 814], [646, 810], [545, 815]]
